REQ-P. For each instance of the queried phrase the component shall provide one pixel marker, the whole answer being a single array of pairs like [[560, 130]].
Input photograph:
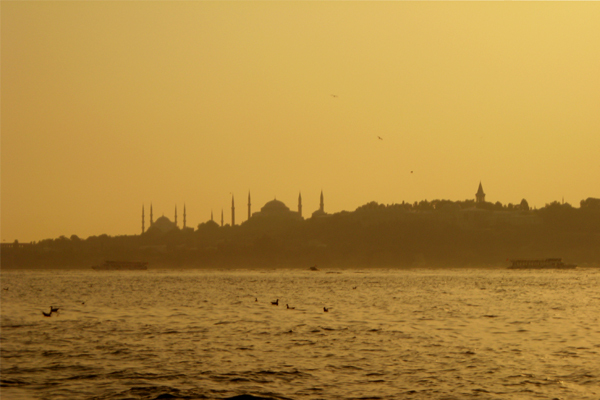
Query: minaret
[[184, 215], [249, 208], [175, 222], [222, 217], [211, 216], [300, 204], [232, 212], [480, 196], [151, 219], [322, 205], [143, 220]]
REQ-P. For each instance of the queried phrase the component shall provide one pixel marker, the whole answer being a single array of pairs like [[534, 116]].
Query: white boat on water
[[547, 263]]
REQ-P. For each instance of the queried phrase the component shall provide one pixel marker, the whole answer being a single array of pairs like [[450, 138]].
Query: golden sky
[[108, 106]]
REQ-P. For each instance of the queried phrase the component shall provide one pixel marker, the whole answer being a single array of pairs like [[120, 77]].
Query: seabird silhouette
[[325, 309], [379, 137], [290, 308], [47, 314], [275, 303], [255, 299], [52, 309], [334, 95]]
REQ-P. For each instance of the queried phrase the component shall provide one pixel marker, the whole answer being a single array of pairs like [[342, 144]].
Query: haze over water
[[389, 334]]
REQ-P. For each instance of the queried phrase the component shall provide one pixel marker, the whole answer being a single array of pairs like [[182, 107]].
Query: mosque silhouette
[[274, 210]]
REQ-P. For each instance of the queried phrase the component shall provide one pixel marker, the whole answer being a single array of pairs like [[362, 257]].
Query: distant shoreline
[[324, 269]]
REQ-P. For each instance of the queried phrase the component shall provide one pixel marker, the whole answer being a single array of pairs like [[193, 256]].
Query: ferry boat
[[122, 266], [548, 263]]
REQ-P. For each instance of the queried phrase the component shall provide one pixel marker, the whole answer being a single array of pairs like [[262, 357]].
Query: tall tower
[[211, 215], [480, 196], [143, 220], [322, 205], [183, 215], [175, 222], [300, 204], [222, 221], [249, 204], [232, 212], [151, 218]]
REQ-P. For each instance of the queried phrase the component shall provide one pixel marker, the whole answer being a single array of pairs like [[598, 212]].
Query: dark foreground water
[[389, 334]]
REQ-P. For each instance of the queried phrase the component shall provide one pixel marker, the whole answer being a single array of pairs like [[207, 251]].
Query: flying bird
[[334, 95], [379, 137]]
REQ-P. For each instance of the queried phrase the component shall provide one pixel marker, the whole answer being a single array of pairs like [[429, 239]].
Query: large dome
[[274, 206], [274, 211], [163, 224]]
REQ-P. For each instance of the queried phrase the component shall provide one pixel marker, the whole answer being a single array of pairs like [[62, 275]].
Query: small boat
[[122, 266], [547, 263]]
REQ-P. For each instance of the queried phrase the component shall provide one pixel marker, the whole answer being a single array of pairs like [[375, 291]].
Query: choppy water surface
[[389, 334]]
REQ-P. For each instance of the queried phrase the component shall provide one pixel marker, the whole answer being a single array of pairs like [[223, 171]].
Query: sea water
[[388, 334]]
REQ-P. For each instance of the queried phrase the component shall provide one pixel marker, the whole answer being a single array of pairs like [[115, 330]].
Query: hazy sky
[[108, 106]]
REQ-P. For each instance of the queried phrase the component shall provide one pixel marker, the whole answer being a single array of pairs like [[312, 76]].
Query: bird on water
[[325, 309], [290, 308], [52, 310], [275, 303]]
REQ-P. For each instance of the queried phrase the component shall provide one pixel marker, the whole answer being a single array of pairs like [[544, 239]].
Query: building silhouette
[[249, 206], [232, 212], [162, 224], [480, 196], [321, 211], [272, 210], [275, 209]]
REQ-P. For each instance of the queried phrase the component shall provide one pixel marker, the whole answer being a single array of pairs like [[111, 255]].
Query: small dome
[[319, 213]]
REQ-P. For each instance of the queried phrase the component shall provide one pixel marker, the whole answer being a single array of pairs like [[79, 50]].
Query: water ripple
[[418, 334]]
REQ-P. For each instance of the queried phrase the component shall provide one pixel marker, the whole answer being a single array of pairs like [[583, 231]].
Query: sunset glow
[[111, 106]]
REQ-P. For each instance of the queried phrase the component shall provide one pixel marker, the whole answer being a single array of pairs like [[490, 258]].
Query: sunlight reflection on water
[[418, 334]]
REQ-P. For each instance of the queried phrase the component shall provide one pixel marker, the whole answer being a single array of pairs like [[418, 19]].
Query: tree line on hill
[[426, 233]]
